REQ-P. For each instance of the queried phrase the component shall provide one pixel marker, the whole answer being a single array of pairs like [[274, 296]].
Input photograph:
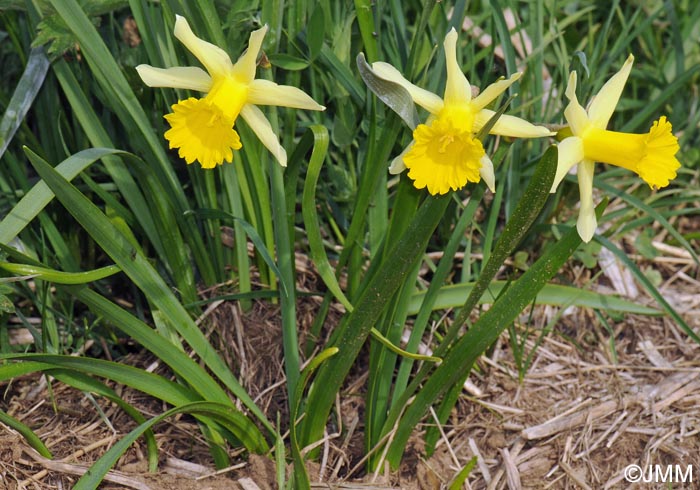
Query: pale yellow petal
[[603, 105], [587, 222], [487, 173], [511, 126], [215, 60], [569, 153], [263, 130], [265, 92], [493, 91], [457, 88], [424, 98], [244, 69], [187, 77], [574, 113], [397, 166]]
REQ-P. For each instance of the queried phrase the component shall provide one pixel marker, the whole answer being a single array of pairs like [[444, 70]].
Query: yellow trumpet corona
[[650, 155]]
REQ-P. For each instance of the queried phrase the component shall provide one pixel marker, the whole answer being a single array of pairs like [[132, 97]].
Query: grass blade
[[23, 97], [311, 223], [552, 294]]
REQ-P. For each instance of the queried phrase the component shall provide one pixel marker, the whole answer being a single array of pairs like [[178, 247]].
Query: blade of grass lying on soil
[[141, 272], [552, 294], [224, 414], [32, 439], [149, 383], [87, 384]]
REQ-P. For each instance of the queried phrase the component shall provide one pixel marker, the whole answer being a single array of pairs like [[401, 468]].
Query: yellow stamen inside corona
[[445, 155], [650, 155]]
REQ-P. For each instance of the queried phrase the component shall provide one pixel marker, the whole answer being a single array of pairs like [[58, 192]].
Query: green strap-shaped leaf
[[23, 97], [85, 383], [222, 413], [60, 277], [377, 335], [310, 215], [28, 434], [40, 195], [552, 294]]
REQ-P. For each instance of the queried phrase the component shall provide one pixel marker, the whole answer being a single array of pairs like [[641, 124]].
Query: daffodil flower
[[202, 128], [444, 153], [650, 155]]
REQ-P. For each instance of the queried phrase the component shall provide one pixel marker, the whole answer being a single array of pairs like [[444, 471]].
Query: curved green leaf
[[40, 195], [28, 434], [224, 414], [311, 224], [23, 96], [60, 277]]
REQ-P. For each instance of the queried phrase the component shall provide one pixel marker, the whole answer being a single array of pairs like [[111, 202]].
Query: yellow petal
[[574, 113], [263, 130], [493, 91], [569, 153], [244, 69], [265, 92], [511, 126], [603, 105], [201, 132], [214, 59], [424, 98], [187, 77], [457, 88], [587, 222]]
